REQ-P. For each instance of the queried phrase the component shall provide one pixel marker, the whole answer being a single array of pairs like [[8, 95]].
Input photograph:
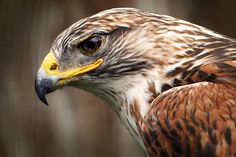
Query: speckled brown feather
[[198, 118], [192, 121]]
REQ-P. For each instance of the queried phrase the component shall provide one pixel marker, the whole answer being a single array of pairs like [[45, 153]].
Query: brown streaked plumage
[[171, 82], [192, 120]]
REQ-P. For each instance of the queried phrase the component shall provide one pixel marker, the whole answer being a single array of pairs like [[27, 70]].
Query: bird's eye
[[90, 45]]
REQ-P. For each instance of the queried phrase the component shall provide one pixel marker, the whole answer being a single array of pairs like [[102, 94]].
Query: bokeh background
[[76, 124]]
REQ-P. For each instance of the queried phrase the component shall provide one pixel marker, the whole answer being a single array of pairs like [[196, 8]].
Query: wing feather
[[192, 120], [208, 61], [217, 72]]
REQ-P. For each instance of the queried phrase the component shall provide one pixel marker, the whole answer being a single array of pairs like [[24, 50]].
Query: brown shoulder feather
[[192, 120]]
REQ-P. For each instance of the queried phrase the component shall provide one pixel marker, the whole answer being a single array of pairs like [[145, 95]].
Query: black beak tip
[[41, 90]]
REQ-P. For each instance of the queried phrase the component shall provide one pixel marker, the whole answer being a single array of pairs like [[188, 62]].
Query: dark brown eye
[[90, 45]]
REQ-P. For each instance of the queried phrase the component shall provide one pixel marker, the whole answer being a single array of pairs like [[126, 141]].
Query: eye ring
[[90, 45]]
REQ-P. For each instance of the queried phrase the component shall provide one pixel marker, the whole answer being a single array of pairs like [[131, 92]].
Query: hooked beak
[[49, 77], [43, 87]]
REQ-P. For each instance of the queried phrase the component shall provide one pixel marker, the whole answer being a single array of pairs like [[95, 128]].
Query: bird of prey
[[171, 82]]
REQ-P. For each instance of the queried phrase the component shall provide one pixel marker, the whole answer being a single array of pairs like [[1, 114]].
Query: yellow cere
[[50, 61]]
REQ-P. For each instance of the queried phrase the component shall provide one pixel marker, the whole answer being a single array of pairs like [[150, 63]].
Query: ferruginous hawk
[[171, 82]]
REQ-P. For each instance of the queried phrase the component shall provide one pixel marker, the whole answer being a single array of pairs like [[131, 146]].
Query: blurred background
[[76, 124]]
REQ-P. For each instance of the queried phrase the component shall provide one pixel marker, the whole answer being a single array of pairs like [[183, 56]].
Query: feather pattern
[[192, 120], [171, 82]]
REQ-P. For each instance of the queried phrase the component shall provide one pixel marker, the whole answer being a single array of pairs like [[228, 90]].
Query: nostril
[[53, 67]]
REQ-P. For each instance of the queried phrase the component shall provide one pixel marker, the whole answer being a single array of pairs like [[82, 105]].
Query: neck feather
[[131, 97]]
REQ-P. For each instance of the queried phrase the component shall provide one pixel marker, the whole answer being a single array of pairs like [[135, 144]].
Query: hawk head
[[110, 46], [124, 52]]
